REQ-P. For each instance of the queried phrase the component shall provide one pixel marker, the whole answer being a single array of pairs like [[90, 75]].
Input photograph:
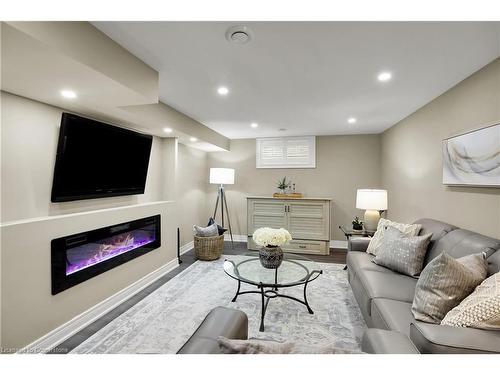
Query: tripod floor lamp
[[221, 177]]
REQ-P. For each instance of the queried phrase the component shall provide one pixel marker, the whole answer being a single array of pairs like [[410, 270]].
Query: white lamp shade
[[223, 176], [371, 199]]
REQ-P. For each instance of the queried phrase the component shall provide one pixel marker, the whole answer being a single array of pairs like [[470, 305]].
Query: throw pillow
[[383, 224], [443, 284], [476, 263], [481, 309], [402, 253], [221, 230], [256, 346], [209, 231]]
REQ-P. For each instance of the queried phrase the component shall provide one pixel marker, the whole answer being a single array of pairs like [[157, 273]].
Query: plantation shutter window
[[286, 152]]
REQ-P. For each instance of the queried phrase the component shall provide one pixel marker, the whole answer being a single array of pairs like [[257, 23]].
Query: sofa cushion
[[461, 242], [402, 253], [438, 229], [391, 315], [494, 263], [363, 261], [363, 299], [438, 339], [389, 285], [378, 341]]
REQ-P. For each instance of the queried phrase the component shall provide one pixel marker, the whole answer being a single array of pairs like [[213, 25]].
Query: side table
[[349, 233]]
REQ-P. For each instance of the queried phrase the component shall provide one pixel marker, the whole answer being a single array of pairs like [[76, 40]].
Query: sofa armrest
[[379, 341], [358, 243], [441, 339], [221, 321]]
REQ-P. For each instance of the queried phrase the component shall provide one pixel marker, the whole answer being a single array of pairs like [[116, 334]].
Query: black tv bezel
[[58, 196]]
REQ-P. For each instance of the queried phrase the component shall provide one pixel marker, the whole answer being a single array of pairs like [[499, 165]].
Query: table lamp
[[221, 177], [373, 201]]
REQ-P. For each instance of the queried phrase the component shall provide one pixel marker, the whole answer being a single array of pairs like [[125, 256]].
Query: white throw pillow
[[481, 309], [406, 229]]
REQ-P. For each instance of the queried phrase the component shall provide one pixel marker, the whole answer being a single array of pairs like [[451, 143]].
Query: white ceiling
[[306, 77]]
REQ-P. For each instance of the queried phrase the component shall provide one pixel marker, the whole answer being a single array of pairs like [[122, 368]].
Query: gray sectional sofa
[[385, 297]]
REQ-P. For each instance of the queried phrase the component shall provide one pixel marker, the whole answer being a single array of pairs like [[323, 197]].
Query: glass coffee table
[[295, 270]]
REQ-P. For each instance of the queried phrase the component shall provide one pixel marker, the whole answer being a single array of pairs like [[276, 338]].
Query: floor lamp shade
[[373, 201], [222, 176]]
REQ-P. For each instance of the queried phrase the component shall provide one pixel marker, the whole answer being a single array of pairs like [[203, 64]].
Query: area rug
[[164, 320]]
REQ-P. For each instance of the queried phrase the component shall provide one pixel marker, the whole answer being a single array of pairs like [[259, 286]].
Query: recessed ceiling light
[[223, 90], [254, 125], [193, 139], [351, 120], [68, 94], [384, 76], [167, 130]]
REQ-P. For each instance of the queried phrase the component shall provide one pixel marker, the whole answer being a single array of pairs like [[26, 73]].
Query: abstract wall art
[[473, 158]]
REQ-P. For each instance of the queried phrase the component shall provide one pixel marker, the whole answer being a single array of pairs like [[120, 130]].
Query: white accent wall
[[29, 220]]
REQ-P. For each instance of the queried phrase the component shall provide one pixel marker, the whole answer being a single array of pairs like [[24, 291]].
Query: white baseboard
[[243, 238], [187, 247], [335, 244], [68, 329]]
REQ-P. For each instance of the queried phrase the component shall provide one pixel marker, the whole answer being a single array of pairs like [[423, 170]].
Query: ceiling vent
[[239, 34]]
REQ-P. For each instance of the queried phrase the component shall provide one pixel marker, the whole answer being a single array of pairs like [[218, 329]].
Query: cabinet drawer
[[305, 246], [300, 246]]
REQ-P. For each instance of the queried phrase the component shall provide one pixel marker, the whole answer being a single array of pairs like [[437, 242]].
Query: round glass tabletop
[[294, 270]]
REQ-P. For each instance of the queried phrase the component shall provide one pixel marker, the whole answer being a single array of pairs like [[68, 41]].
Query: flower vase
[[271, 256]]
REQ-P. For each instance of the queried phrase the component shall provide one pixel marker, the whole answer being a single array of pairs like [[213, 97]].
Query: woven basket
[[208, 248]]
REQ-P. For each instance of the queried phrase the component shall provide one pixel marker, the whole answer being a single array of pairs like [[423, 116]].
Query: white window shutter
[[286, 152]]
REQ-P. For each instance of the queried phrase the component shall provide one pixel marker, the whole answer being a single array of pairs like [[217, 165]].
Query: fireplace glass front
[[79, 257]]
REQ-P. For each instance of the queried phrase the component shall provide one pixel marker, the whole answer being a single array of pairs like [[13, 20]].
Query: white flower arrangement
[[271, 237]]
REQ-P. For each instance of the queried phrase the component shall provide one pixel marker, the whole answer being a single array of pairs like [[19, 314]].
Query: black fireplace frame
[[59, 246]]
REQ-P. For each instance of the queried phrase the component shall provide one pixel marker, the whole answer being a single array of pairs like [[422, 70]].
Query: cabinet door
[[265, 213], [309, 220]]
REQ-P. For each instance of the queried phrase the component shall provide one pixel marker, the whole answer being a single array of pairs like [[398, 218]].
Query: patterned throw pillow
[[481, 309], [402, 253], [383, 224], [209, 231], [444, 283]]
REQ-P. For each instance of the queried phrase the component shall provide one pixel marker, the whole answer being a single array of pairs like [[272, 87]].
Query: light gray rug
[[163, 321]]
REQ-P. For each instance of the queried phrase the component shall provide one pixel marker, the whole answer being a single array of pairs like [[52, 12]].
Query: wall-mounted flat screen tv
[[96, 160]]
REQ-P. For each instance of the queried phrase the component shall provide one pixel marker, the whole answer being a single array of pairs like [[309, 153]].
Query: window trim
[[312, 148]]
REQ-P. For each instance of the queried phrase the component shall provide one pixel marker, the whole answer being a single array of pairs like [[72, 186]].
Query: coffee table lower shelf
[[268, 292]]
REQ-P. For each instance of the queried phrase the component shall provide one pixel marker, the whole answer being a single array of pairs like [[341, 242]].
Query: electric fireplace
[[81, 256]]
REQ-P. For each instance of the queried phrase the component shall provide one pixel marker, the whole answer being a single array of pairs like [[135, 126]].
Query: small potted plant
[[271, 240], [357, 225], [283, 185]]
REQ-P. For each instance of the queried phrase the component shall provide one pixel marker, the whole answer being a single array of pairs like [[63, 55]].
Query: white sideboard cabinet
[[307, 220]]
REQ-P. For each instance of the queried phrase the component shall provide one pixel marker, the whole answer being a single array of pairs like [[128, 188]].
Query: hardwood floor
[[336, 256]]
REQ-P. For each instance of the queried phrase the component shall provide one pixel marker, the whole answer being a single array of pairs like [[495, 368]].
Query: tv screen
[[96, 160]]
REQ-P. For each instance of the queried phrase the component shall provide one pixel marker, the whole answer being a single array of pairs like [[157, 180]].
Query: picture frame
[[473, 158]]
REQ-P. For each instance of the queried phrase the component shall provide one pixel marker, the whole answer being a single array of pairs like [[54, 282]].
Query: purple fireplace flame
[[87, 255]]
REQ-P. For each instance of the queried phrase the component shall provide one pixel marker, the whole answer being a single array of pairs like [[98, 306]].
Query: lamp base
[[371, 220]]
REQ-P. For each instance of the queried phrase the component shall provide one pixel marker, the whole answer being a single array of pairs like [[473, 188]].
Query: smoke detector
[[239, 34]]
